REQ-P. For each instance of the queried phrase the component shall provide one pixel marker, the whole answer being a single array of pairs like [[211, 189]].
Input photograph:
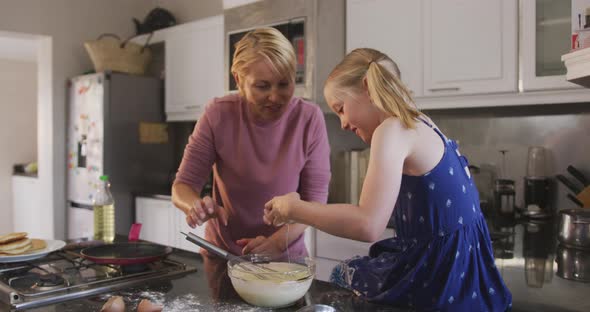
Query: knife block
[[584, 197]]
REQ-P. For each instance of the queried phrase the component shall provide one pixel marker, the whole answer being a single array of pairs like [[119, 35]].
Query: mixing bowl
[[265, 282]]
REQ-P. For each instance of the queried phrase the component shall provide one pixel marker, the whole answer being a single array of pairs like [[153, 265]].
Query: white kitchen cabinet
[[158, 220], [545, 31], [330, 250], [470, 47], [324, 267], [393, 27], [442, 47], [182, 226], [194, 67], [27, 210], [338, 248]]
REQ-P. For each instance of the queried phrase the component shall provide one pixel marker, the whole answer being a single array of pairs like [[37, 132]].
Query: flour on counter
[[188, 302]]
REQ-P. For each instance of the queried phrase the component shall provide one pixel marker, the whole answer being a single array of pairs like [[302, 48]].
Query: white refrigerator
[[115, 127]]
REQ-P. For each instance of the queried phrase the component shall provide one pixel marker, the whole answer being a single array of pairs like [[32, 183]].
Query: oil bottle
[[103, 205]]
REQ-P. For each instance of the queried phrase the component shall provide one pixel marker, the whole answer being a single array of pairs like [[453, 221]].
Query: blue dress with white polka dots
[[441, 258]]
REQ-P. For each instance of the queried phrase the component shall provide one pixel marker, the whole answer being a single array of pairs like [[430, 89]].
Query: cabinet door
[[392, 27], [545, 31], [470, 46], [194, 67], [156, 217]]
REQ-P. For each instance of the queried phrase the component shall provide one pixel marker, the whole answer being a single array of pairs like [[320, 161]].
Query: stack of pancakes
[[18, 244]]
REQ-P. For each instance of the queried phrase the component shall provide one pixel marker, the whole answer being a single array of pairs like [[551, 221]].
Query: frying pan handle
[[209, 246], [134, 232]]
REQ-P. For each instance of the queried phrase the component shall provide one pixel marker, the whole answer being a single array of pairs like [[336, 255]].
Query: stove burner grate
[[49, 282]]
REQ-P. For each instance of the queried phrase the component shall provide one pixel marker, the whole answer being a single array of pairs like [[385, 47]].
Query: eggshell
[[147, 306], [114, 304]]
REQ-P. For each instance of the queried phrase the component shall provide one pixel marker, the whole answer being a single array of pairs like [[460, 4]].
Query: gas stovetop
[[65, 275]]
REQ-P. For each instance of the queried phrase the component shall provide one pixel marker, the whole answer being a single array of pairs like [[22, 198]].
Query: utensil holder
[[584, 197]]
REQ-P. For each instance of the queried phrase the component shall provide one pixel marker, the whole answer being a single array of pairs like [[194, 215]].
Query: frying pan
[[129, 253], [126, 253]]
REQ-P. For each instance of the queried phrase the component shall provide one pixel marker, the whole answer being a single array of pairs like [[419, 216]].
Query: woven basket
[[108, 52]]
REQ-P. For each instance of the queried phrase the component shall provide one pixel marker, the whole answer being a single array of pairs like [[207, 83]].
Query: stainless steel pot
[[574, 227], [573, 264]]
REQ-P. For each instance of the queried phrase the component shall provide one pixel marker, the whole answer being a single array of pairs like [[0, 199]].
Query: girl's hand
[[277, 210], [259, 245], [204, 209]]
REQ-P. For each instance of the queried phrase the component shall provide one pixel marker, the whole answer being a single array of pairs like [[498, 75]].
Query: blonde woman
[[260, 143], [441, 258]]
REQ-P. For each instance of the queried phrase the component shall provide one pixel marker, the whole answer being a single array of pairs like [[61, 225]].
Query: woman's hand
[[260, 245], [204, 209], [276, 211]]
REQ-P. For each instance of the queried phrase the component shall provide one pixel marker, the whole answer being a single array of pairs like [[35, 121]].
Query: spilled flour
[[184, 303]]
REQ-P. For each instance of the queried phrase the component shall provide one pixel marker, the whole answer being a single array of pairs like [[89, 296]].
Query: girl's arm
[[390, 145]]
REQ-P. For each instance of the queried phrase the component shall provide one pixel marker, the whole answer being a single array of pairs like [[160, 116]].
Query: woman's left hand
[[259, 245], [276, 211]]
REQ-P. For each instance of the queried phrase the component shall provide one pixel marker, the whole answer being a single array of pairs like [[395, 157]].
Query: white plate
[[52, 245]]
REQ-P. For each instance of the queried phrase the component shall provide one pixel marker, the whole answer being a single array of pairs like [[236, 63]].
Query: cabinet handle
[[191, 106], [444, 89]]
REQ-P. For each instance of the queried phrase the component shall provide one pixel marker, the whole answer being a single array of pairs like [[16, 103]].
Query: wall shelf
[[578, 66]]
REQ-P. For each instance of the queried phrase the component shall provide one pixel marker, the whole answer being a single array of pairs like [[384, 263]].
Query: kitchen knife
[[578, 175], [570, 185], [575, 200]]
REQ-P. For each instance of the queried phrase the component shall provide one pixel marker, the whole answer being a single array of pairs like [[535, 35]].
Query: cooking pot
[[574, 228], [573, 264]]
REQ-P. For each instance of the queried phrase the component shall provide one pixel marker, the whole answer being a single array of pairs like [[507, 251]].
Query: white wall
[[18, 124], [189, 10]]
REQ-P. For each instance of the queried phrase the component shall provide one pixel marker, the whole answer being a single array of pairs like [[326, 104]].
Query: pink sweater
[[253, 162]]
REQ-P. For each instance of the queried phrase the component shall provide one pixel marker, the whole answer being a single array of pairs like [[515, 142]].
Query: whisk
[[259, 271]]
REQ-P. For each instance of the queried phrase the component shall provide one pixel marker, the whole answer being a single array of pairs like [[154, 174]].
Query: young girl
[[441, 257]]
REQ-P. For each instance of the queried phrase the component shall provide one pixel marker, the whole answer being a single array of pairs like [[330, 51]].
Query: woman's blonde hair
[[267, 43], [384, 84]]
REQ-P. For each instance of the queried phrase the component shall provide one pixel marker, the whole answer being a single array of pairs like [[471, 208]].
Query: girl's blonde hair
[[384, 84], [269, 44]]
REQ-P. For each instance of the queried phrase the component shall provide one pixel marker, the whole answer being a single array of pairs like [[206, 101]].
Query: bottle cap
[[104, 177]]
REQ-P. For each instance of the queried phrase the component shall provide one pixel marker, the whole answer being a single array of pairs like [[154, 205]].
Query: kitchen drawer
[[337, 248]]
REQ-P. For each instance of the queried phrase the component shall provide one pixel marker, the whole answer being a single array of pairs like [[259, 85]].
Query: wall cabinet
[[390, 26], [545, 29], [456, 53], [194, 67], [470, 47]]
